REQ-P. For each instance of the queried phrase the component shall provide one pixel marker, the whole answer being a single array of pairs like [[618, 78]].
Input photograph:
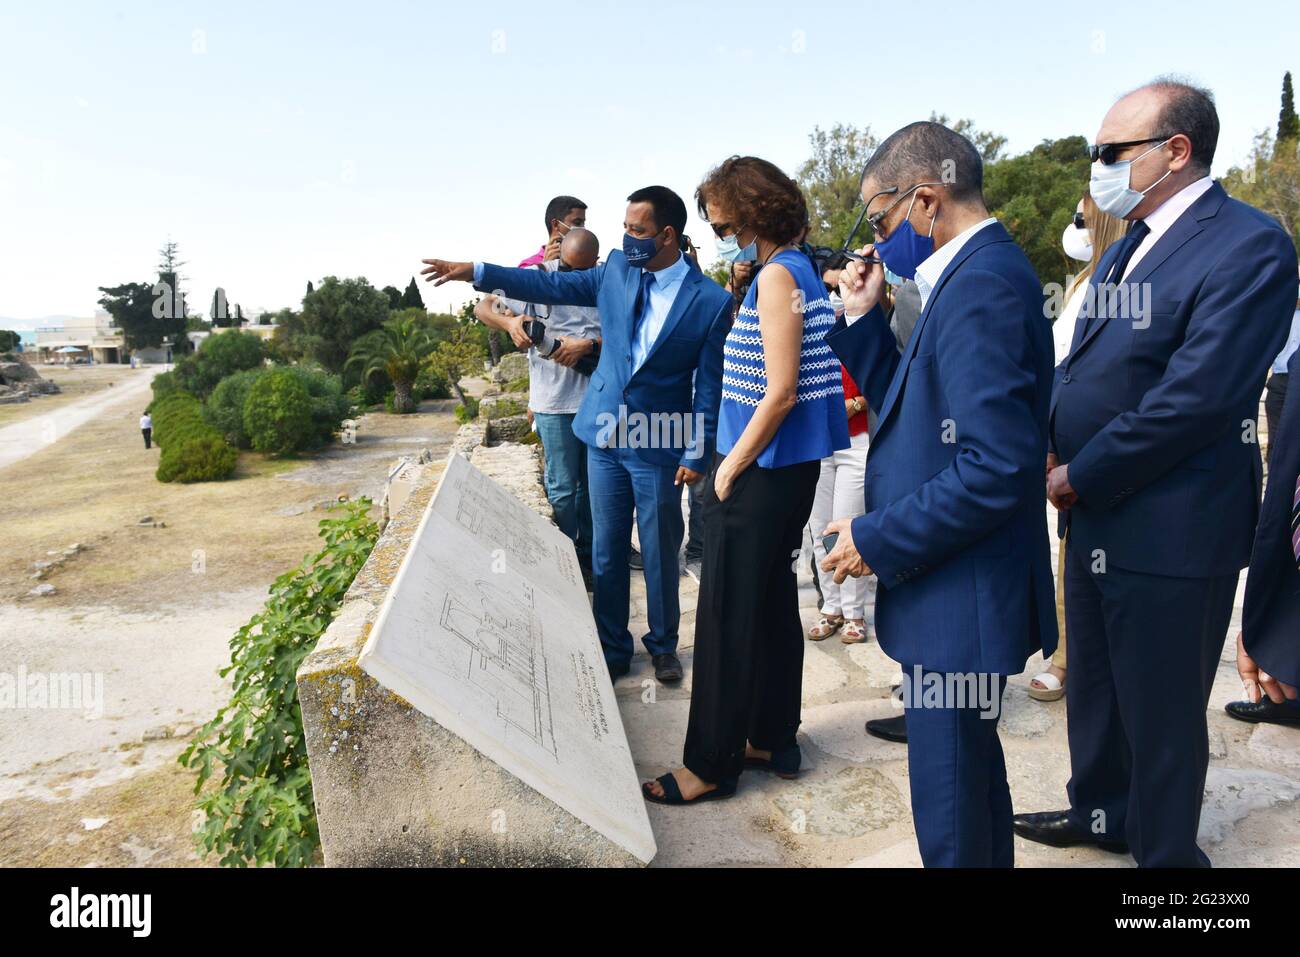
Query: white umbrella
[[69, 349]]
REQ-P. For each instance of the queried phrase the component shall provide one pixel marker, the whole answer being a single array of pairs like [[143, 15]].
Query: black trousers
[[1144, 650], [748, 670], [148, 436]]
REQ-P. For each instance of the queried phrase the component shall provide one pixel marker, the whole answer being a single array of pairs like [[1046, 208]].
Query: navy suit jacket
[[1155, 415], [955, 527], [688, 349], [1270, 622]]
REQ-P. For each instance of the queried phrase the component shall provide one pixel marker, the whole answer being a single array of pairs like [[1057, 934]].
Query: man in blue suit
[[1268, 646], [1156, 469], [649, 417], [954, 526]]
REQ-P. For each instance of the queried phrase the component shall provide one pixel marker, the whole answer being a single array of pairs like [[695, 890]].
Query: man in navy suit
[[1268, 646], [1156, 469], [954, 524], [650, 414]]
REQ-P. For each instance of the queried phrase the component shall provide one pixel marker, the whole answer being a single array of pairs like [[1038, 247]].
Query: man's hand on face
[[1059, 491], [861, 284], [552, 248], [571, 349], [439, 271]]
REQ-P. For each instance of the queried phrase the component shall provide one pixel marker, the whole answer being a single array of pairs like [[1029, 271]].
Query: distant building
[[91, 340]]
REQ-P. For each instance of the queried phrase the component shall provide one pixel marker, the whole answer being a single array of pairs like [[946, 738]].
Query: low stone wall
[[394, 788]]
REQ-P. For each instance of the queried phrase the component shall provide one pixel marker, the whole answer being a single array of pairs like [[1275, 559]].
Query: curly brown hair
[[757, 195]]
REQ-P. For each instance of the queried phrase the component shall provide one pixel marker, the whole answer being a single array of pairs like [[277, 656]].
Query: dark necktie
[[1295, 523], [1132, 240], [642, 304]]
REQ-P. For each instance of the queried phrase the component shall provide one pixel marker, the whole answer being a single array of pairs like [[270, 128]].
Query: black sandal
[[673, 794], [783, 763]]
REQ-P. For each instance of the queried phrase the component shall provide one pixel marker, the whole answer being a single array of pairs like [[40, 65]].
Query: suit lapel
[[631, 283], [685, 295], [989, 234], [1183, 229]]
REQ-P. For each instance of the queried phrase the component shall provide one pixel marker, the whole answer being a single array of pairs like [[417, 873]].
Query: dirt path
[[30, 435], [146, 611]]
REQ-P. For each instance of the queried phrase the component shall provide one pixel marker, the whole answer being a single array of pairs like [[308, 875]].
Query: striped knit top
[[817, 425]]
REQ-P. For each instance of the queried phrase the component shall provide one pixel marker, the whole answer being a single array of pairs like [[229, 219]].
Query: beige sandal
[[854, 633], [828, 625]]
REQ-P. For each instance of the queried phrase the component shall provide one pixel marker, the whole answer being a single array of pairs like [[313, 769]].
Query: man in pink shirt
[[562, 214]]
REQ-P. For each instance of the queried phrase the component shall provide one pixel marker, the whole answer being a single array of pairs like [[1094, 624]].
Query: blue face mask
[[1110, 188], [639, 251], [893, 278], [729, 251], [904, 250]]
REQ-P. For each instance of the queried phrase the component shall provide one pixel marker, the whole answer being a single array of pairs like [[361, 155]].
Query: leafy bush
[[518, 385], [220, 355], [224, 410], [468, 411], [199, 454], [329, 404], [263, 812], [192, 451], [278, 413], [164, 384]]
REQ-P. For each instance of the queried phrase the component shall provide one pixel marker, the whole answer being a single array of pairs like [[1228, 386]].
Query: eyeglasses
[[875, 219], [1106, 151], [1078, 221], [723, 230]]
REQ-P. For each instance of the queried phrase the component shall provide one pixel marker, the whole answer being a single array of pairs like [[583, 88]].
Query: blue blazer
[[682, 373], [955, 526], [1155, 415], [1270, 621]]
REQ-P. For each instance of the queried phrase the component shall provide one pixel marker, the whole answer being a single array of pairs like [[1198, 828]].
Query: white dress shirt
[[928, 272], [1165, 215], [662, 294]]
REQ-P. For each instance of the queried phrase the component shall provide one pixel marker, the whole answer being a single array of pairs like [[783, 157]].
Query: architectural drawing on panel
[[507, 660]]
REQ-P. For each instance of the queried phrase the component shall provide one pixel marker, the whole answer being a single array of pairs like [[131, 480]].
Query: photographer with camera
[[563, 344]]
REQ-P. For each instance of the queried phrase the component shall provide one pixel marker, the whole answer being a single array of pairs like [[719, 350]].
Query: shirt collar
[[1168, 211], [670, 276], [928, 273]]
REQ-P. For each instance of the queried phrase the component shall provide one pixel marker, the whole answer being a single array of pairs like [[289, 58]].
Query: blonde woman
[[1085, 239]]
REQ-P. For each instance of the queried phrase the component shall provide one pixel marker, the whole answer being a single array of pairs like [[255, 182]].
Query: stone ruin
[[19, 381]]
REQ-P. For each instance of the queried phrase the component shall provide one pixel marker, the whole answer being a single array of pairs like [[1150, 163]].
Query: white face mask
[[1111, 188], [1076, 243]]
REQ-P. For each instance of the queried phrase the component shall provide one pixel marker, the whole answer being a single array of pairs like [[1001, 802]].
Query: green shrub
[[164, 384], [467, 412], [263, 811], [329, 404], [278, 413], [220, 355], [429, 385], [173, 409], [224, 410], [199, 454], [518, 385]]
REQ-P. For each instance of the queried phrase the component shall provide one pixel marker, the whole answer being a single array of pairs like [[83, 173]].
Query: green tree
[[143, 316], [456, 358], [219, 355], [277, 413], [991, 146], [394, 297], [1034, 196], [9, 340], [336, 315], [411, 298], [1269, 180], [1288, 123], [831, 180], [397, 350]]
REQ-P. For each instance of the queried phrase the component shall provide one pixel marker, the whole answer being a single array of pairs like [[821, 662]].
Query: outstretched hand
[[439, 271]]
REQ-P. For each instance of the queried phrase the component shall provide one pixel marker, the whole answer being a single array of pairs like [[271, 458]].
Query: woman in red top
[[840, 495]]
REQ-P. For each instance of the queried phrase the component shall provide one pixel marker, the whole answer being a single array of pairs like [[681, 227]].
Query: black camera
[[546, 344]]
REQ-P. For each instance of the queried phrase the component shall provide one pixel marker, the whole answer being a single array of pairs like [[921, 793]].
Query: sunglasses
[[1078, 221], [1105, 152], [875, 219], [723, 230]]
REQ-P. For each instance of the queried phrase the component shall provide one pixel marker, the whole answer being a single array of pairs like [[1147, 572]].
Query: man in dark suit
[[1268, 646], [954, 496], [649, 417], [1157, 470]]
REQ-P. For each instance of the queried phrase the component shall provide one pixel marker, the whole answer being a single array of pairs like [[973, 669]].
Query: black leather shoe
[[617, 671], [634, 561], [1058, 829], [889, 729], [1266, 712], [667, 668]]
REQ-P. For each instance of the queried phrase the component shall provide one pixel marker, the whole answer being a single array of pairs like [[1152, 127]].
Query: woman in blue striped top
[[782, 412]]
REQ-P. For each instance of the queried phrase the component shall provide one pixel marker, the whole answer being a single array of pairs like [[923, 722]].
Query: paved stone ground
[[850, 806]]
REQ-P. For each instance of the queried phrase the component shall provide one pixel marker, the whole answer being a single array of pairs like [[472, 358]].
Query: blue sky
[[281, 142]]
